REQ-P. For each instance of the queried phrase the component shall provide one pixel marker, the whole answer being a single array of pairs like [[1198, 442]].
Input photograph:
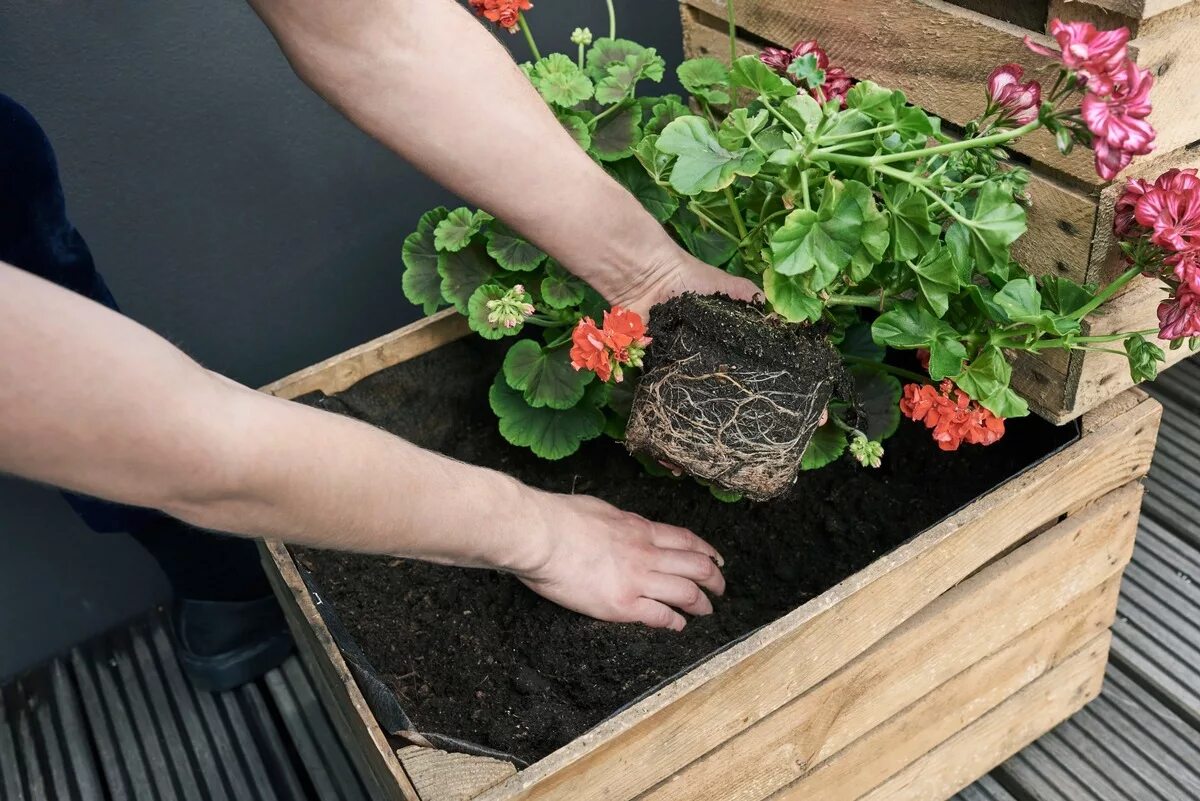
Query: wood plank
[[940, 56], [442, 776], [1061, 568], [365, 740], [1062, 219], [1004, 731], [346, 369], [946, 711], [649, 741]]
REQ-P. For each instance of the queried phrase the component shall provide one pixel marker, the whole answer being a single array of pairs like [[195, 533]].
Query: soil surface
[[474, 654]]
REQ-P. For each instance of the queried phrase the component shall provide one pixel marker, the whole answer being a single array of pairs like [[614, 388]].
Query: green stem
[[804, 189], [775, 113], [533, 48], [580, 60], [737, 213], [715, 225], [950, 147], [731, 18], [857, 134], [1108, 291], [615, 107], [899, 372], [612, 21], [875, 301]]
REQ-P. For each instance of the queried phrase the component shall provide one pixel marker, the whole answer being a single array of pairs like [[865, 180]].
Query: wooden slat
[[442, 776], [346, 369], [661, 734], [807, 736], [1061, 221], [940, 56], [1003, 731]]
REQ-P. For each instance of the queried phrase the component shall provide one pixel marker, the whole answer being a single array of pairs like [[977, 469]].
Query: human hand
[[617, 566], [673, 273]]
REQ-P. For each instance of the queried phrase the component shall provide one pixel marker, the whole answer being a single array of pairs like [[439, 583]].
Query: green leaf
[[847, 230], [616, 135], [701, 164], [705, 78], [937, 279], [873, 100], [997, 222], [879, 396], [1021, 300], [560, 81], [511, 251], [826, 446], [545, 377], [750, 73], [655, 199], [605, 52], [737, 129], [477, 313], [913, 230], [706, 244], [858, 342], [946, 356], [724, 495], [578, 128], [463, 272], [662, 113], [802, 111], [549, 433], [807, 70], [907, 327], [1144, 357], [1063, 295], [790, 297], [617, 84], [986, 379], [560, 289], [422, 284], [454, 232]]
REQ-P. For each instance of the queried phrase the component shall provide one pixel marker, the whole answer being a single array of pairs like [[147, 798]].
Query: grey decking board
[[986, 789]]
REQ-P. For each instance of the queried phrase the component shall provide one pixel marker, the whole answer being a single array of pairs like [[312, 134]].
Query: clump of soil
[[475, 654], [731, 394]]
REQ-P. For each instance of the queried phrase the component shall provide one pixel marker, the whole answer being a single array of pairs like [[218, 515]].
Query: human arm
[[93, 402], [431, 83]]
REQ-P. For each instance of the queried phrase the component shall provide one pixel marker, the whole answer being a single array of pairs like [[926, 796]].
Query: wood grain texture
[[1002, 732], [442, 776], [651, 740], [946, 711], [940, 55], [346, 369], [823, 730]]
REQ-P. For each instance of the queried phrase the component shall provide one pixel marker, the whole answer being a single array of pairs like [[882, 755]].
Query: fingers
[[697, 567], [824, 417], [683, 594], [680, 539], [657, 615]]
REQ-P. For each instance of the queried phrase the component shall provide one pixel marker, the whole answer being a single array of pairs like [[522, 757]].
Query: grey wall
[[231, 210]]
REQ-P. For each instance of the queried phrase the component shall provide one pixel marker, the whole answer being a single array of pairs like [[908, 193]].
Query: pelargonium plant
[[852, 208]]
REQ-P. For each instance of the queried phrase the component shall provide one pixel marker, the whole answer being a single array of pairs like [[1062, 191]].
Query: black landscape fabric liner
[[390, 713]]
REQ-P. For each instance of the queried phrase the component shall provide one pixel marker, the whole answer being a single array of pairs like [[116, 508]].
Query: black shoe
[[224, 644]]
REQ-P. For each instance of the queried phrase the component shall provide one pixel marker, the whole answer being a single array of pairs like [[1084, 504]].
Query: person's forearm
[[93, 402], [431, 83]]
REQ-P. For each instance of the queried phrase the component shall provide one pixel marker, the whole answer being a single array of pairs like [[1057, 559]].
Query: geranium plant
[[851, 207]]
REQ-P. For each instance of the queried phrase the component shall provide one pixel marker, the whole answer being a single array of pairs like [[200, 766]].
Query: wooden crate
[[905, 681], [945, 70]]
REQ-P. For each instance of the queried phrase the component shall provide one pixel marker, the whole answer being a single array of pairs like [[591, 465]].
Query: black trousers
[[35, 235]]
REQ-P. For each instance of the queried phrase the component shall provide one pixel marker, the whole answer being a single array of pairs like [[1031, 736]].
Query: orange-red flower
[[621, 342], [589, 349], [505, 13], [951, 414]]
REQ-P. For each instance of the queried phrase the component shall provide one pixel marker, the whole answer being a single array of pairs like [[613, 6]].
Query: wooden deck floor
[[1140, 740]]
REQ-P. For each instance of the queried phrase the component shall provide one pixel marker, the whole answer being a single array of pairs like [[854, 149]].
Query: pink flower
[[1179, 180], [1186, 269], [1094, 54], [1110, 160], [1120, 117], [1124, 224], [776, 58], [1173, 215], [1020, 100], [1180, 315], [837, 81]]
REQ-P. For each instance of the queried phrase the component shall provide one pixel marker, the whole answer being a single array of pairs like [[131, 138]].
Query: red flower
[[1172, 214], [951, 414], [589, 349], [1095, 55], [1019, 100], [1179, 316], [1119, 118], [1110, 160], [1124, 224], [1186, 268], [837, 81], [505, 13]]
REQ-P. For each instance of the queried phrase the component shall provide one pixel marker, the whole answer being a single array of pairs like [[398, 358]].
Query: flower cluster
[[1166, 214], [835, 82], [511, 308], [505, 13], [620, 342], [1116, 101], [1019, 101], [951, 414]]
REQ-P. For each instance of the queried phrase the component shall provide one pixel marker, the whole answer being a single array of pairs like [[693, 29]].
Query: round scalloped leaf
[[464, 272], [549, 433], [826, 446], [422, 284], [606, 52], [511, 251], [477, 313], [454, 232], [545, 377], [560, 81], [617, 135], [656, 200], [560, 289], [790, 297], [578, 128]]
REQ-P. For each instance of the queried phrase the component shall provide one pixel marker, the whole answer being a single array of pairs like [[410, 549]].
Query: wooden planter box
[[940, 55], [908, 680]]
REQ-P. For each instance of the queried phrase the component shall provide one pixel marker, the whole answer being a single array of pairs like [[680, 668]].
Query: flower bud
[[865, 451], [581, 36]]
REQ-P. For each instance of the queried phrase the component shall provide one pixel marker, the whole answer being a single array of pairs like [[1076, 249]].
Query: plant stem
[[949, 147], [695, 209], [875, 301], [858, 134], [899, 372], [737, 213], [775, 113], [731, 18], [612, 21], [1108, 291], [580, 60], [533, 48], [804, 189]]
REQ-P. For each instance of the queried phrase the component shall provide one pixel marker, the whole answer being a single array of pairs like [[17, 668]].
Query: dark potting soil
[[474, 654]]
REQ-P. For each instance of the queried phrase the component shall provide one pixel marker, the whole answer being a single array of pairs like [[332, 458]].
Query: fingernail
[[720, 560]]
